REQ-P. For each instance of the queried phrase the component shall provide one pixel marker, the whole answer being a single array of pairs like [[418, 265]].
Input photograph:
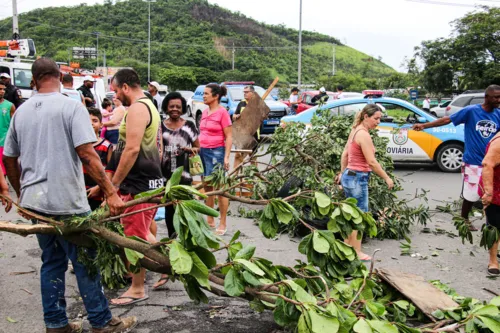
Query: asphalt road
[[463, 267]]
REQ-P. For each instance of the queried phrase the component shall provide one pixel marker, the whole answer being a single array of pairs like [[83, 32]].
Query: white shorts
[[470, 186]]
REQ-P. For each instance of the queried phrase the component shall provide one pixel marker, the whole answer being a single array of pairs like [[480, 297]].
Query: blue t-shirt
[[479, 128]]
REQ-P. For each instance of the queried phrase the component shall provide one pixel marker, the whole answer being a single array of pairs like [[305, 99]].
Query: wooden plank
[[424, 295]]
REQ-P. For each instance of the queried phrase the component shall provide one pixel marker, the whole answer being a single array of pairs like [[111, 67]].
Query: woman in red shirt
[[216, 139]]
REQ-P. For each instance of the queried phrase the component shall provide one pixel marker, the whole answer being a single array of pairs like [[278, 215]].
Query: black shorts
[[493, 215]]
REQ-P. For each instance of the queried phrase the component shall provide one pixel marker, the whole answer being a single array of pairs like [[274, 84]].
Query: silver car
[[461, 101]]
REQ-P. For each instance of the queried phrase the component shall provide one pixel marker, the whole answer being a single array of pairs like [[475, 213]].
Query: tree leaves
[[320, 244], [250, 266], [133, 257], [181, 261], [233, 285]]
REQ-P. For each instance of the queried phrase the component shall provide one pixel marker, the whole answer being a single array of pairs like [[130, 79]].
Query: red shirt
[[212, 128]]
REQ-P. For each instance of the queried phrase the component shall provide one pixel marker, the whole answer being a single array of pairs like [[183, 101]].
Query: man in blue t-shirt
[[481, 123]]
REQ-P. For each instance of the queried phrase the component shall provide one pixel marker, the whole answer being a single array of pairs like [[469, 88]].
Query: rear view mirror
[[421, 120]]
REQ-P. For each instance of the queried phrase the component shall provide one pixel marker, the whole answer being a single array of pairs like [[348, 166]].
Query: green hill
[[192, 43]]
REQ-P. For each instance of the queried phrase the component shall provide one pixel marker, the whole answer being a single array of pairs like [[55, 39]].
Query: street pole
[[300, 48], [97, 50], [15, 23], [233, 56], [333, 67], [149, 38]]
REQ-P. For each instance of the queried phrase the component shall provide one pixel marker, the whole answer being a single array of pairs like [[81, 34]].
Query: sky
[[386, 28]]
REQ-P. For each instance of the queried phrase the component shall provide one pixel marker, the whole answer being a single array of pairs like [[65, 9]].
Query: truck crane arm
[[16, 48]]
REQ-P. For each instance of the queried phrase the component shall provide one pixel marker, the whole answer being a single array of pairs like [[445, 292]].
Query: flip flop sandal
[[493, 271], [133, 300], [164, 280], [366, 258], [220, 232]]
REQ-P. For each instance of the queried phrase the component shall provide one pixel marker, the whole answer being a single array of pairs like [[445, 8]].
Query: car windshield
[[236, 93], [22, 78]]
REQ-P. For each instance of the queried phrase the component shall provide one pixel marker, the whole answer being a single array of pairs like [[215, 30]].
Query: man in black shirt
[[12, 93], [86, 89], [322, 97]]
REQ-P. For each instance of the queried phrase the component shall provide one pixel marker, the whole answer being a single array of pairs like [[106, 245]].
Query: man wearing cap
[[88, 84], [12, 93], [322, 97], [153, 89]]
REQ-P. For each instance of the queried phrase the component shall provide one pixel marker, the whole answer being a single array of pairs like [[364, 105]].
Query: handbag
[[195, 165]]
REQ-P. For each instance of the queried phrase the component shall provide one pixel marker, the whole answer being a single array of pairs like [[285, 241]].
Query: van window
[[461, 101], [477, 100], [22, 78]]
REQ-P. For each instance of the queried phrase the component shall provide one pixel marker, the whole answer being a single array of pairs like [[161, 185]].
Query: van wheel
[[449, 158], [198, 120]]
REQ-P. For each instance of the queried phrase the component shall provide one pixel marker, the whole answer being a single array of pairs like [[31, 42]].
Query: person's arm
[[436, 123], [110, 153], [237, 112], [94, 168], [116, 119], [13, 173], [366, 144], [12, 111], [137, 121], [228, 135], [490, 162]]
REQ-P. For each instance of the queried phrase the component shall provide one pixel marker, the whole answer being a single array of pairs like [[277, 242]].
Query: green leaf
[[302, 326], [206, 256], [10, 320], [201, 208], [233, 284], [235, 237], [246, 252], [347, 208], [304, 297], [495, 301], [382, 326], [376, 309], [190, 190], [176, 176], [250, 279], [323, 324], [438, 314], [194, 227], [199, 271], [250, 266], [322, 200], [362, 326], [268, 211], [133, 257], [320, 244], [155, 192], [402, 304], [283, 217], [486, 310], [492, 324], [181, 261], [257, 306]]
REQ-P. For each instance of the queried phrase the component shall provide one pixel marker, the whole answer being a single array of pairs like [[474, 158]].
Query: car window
[[400, 113], [477, 100], [349, 109], [307, 99], [461, 101], [22, 78]]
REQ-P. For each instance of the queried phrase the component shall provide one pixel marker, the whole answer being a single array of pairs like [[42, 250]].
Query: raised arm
[[436, 123]]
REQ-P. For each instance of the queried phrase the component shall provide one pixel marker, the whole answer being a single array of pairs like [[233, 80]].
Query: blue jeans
[[355, 184], [55, 254], [211, 157]]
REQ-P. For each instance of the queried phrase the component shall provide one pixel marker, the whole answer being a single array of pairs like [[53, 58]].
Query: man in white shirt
[[294, 99], [153, 89], [426, 106], [340, 92]]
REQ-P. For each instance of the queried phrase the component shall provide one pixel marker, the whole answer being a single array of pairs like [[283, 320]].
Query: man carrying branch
[[50, 137]]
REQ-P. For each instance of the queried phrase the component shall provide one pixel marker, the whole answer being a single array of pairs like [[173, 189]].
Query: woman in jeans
[[180, 139], [216, 139], [489, 190], [358, 161]]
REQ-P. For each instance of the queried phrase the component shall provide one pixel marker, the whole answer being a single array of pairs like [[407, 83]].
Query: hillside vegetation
[[192, 43]]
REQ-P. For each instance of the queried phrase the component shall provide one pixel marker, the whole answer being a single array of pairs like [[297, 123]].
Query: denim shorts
[[211, 157], [356, 186]]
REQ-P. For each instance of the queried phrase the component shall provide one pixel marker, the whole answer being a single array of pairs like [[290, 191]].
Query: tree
[[178, 78]]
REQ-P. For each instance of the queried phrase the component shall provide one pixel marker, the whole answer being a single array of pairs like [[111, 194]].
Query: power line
[[433, 2]]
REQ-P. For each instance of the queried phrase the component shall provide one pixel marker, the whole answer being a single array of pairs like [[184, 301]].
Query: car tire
[[449, 157], [434, 114], [198, 120], [189, 111]]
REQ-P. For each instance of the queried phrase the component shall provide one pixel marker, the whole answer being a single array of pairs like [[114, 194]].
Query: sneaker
[[76, 327], [117, 325]]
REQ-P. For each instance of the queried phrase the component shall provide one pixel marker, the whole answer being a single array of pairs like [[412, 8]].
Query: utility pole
[[300, 48], [15, 23], [233, 56], [149, 38], [333, 67], [97, 49]]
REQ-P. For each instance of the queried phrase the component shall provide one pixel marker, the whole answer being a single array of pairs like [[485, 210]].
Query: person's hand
[[236, 116], [389, 182], [93, 192], [226, 163], [486, 200], [6, 200], [337, 178], [418, 127], [115, 204]]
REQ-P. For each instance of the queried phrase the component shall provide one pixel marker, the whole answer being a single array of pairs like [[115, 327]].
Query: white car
[[464, 100], [440, 110]]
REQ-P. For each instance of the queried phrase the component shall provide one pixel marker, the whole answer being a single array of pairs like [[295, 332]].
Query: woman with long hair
[[180, 139], [216, 139], [357, 163]]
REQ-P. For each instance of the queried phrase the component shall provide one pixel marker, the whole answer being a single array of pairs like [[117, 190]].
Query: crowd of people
[[138, 152]]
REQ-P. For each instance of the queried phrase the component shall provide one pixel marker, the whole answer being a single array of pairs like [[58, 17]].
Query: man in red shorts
[[136, 165]]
